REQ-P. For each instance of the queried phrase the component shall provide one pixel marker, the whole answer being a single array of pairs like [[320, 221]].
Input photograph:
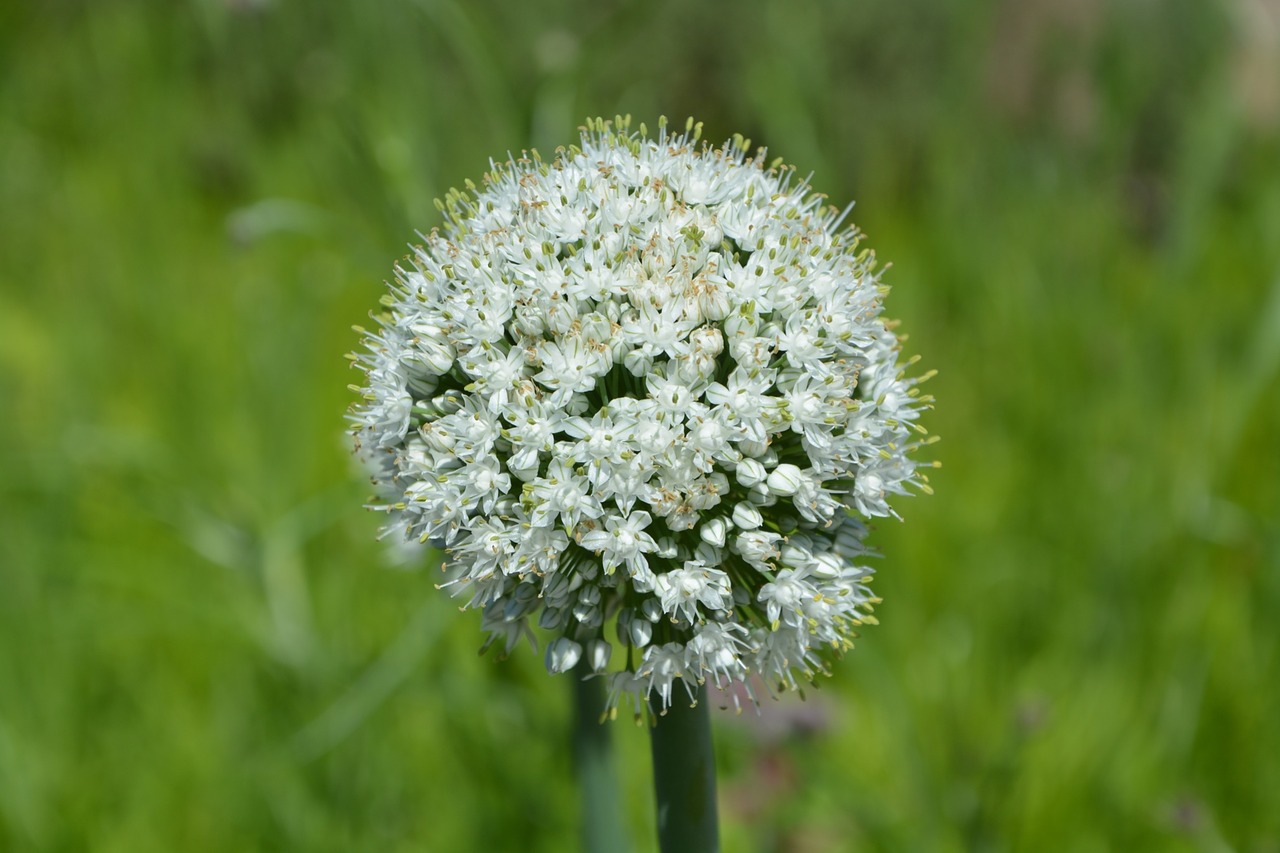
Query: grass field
[[202, 647]]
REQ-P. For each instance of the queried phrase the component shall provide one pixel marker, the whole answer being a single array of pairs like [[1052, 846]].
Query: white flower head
[[644, 391]]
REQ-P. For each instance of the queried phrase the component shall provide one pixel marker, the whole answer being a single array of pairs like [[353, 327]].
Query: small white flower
[[623, 542], [589, 358], [661, 667], [674, 398], [561, 495], [716, 648], [742, 323], [759, 548], [682, 590], [572, 363], [785, 595]]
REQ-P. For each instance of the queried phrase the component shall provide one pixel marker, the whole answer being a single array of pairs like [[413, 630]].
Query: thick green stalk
[[684, 776], [600, 824]]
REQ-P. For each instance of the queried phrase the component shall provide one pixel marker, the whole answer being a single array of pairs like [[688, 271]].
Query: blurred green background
[[202, 647]]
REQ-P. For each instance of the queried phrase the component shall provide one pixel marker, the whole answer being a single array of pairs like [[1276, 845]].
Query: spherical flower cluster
[[643, 397]]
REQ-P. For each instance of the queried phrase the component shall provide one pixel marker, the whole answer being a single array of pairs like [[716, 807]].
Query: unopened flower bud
[[828, 566], [562, 655], [436, 357], [598, 653], [638, 361], [751, 472], [651, 609], [641, 631], [708, 554], [747, 517], [785, 480], [551, 619], [713, 532]]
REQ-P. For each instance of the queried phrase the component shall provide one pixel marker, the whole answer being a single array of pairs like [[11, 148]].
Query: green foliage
[[201, 645]]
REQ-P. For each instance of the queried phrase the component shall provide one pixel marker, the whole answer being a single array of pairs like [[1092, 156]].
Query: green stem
[[601, 826], [684, 776]]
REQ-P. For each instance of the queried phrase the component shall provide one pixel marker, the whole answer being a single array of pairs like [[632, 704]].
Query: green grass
[[202, 647]]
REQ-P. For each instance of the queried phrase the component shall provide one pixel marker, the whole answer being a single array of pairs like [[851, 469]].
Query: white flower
[[716, 648], [623, 542], [655, 356], [562, 493], [572, 363], [661, 667], [675, 399], [786, 595], [682, 590], [758, 548]]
